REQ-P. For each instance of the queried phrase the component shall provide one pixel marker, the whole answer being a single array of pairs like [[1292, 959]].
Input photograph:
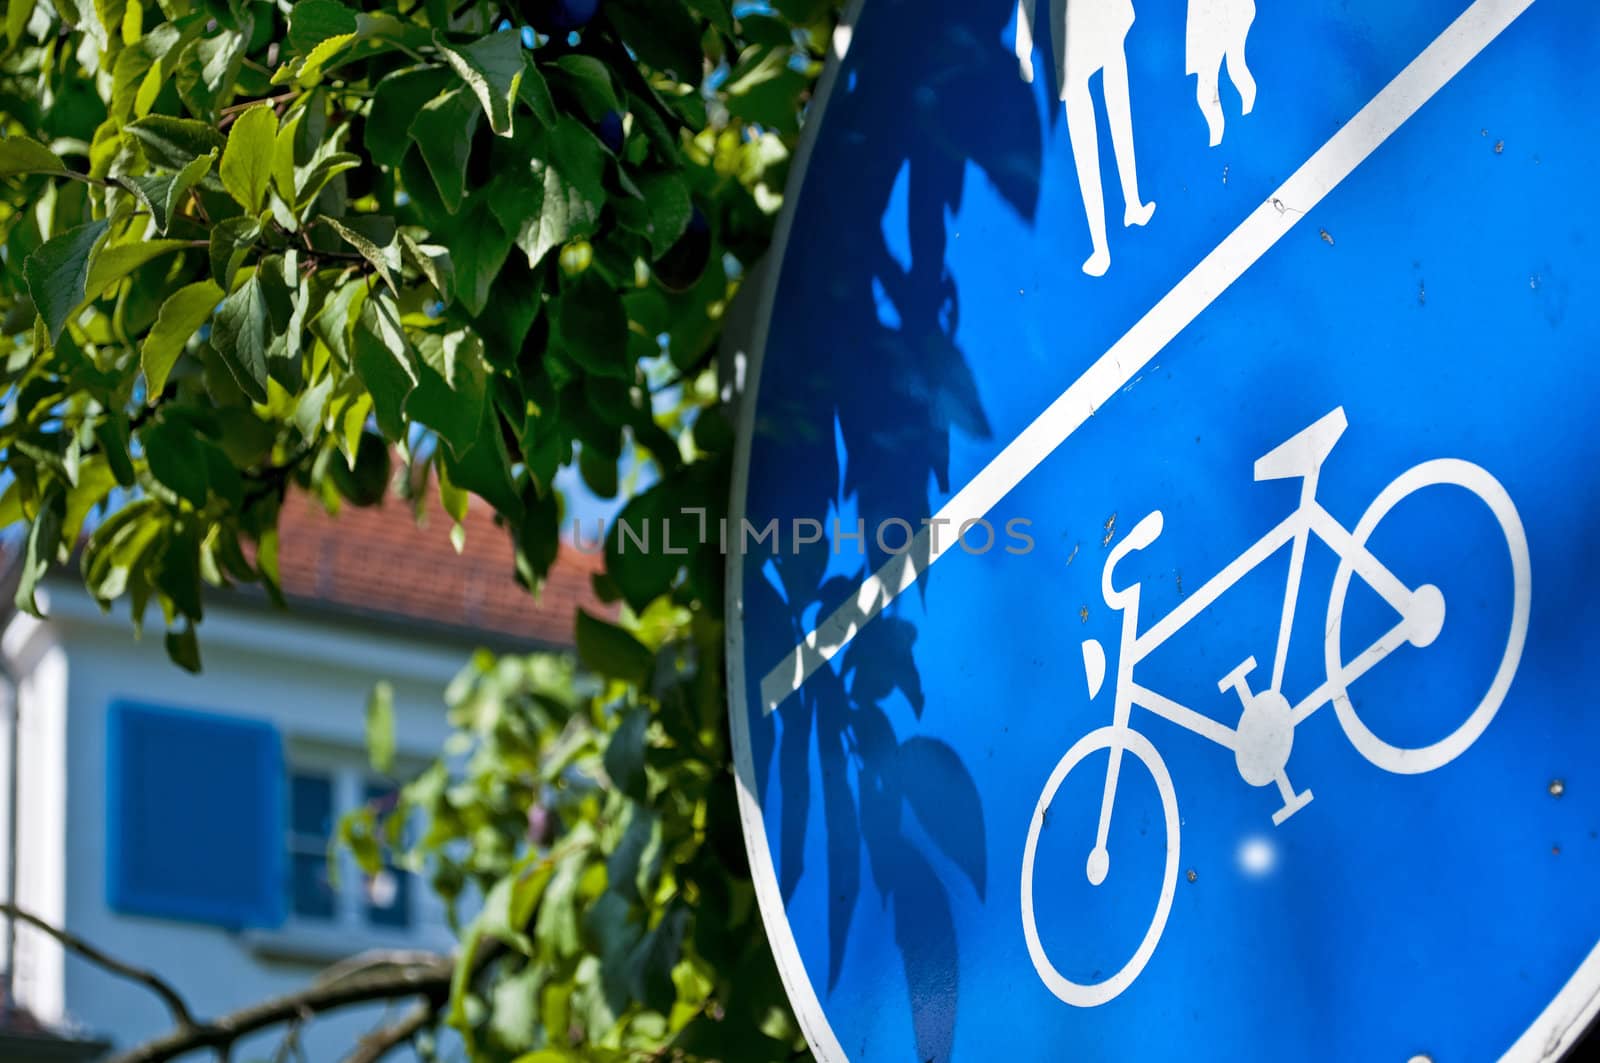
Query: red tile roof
[[379, 563]]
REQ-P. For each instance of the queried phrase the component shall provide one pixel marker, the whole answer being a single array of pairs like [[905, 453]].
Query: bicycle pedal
[[1291, 806]]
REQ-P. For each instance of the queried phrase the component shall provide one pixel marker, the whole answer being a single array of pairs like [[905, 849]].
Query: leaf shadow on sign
[[865, 355]]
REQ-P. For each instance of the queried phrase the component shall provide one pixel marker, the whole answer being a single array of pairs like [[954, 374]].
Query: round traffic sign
[[1168, 639]]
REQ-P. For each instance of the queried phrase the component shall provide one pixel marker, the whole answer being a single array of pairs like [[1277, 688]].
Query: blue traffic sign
[[1170, 639]]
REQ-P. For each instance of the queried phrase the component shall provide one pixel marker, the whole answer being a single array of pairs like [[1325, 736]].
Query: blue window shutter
[[195, 817]]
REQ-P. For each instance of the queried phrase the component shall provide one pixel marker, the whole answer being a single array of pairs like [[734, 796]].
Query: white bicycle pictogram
[[1262, 740]]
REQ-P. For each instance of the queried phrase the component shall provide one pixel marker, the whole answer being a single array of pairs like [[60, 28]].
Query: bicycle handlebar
[[1143, 534]]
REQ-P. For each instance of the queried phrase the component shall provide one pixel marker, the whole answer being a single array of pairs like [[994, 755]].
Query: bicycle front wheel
[[1091, 994], [1416, 760]]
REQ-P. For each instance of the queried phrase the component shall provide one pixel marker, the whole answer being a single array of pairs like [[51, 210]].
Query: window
[[319, 795], [311, 891], [388, 901]]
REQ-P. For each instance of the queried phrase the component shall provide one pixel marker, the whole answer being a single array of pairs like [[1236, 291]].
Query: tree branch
[[372, 960], [72, 943], [430, 980], [380, 1043]]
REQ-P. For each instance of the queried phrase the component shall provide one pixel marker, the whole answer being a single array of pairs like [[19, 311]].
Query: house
[[181, 822]]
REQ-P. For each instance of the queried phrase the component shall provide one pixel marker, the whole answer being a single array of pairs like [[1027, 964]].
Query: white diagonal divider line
[[1414, 86]]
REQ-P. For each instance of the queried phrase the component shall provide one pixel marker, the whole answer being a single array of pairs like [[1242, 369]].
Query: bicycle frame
[[1309, 519], [1295, 529]]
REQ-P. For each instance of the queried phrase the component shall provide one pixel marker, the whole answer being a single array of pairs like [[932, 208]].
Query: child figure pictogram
[[1216, 33]]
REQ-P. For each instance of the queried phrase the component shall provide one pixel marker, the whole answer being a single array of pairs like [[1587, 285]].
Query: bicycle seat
[[1303, 454]]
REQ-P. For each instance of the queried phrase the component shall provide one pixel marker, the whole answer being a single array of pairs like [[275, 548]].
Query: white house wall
[[311, 681], [41, 668]]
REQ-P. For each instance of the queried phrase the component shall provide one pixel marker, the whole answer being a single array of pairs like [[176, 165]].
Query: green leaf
[[162, 192], [207, 69], [518, 296], [764, 88], [287, 154], [181, 315], [599, 472], [452, 498], [374, 238], [178, 575], [321, 56], [662, 34], [18, 154], [222, 476], [135, 63], [452, 381], [242, 334], [766, 29], [624, 756], [313, 21], [111, 433], [511, 903], [339, 311], [635, 864], [287, 304], [610, 651], [358, 831], [643, 571], [507, 909], [667, 210], [383, 361], [653, 959], [537, 535], [113, 262], [514, 1009], [231, 241], [58, 272], [556, 924], [380, 727], [485, 469], [17, 14], [325, 165], [492, 68], [44, 540], [535, 92], [443, 130], [381, 31], [567, 195], [174, 143], [84, 15], [593, 327], [588, 80], [478, 250], [94, 482], [183, 648], [177, 460], [365, 480], [117, 546], [247, 161], [718, 12], [396, 103], [433, 262]]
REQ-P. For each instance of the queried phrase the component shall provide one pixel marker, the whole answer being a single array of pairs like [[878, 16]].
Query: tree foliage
[[602, 834], [433, 246]]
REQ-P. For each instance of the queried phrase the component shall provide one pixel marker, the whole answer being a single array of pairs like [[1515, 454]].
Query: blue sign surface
[[1173, 447]]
